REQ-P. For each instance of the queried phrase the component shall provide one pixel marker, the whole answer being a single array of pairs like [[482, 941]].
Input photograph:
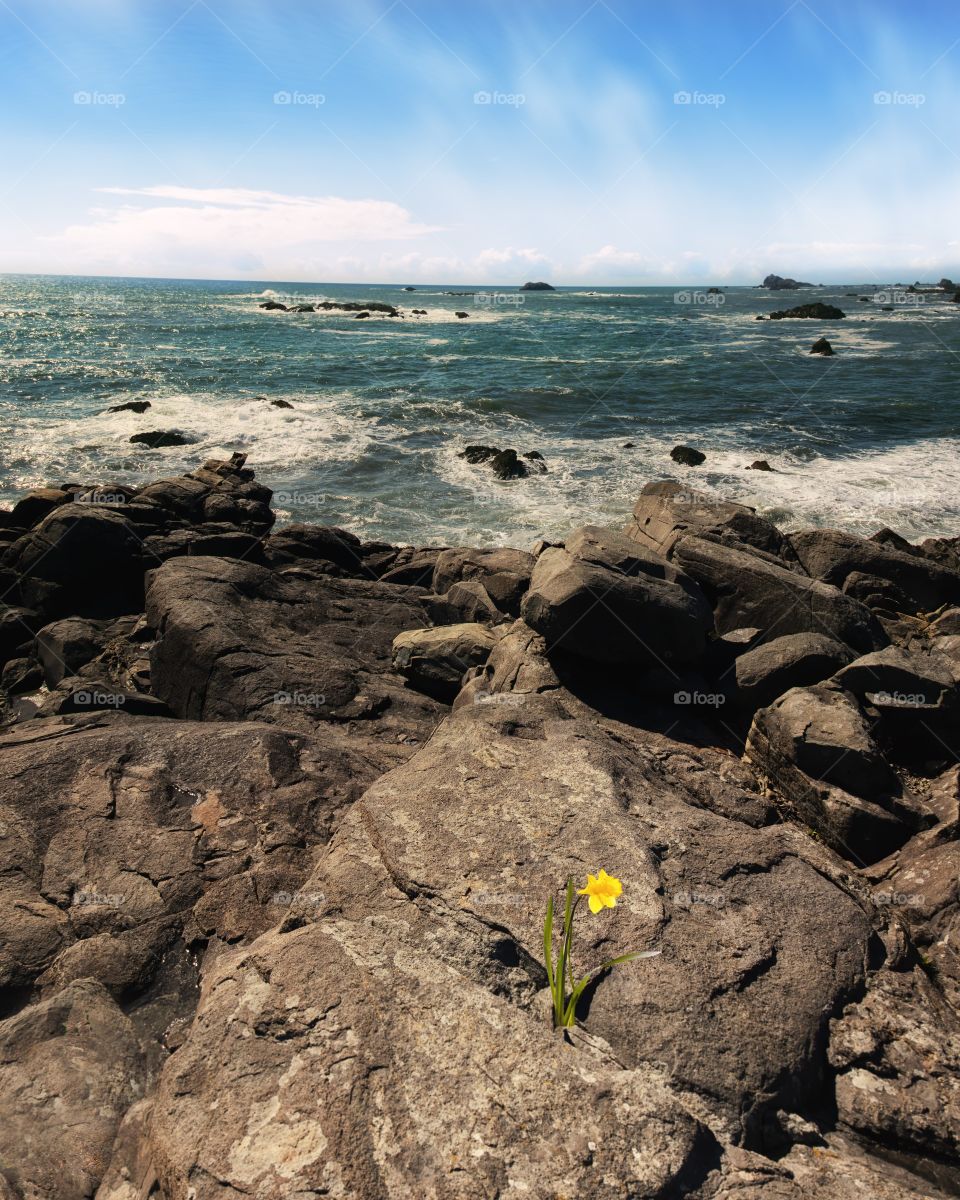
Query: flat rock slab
[[111, 825], [237, 641]]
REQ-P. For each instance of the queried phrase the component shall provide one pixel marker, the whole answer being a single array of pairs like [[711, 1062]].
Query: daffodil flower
[[602, 890]]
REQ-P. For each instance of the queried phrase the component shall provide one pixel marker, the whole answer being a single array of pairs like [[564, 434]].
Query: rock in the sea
[[759, 464], [776, 283], [460, 315], [507, 465], [687, 456], [162, 437], [436, 660], [822, 346], [478, 454], [137, 406], [278, 403], [814, 312], [273, 305], [607, 599], [537, 287]]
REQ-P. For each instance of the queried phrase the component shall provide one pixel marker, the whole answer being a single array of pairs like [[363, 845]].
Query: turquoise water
[[381, 406]]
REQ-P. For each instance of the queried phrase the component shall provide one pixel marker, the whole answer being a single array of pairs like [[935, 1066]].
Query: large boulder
[[608, 600], [237, 641], [750, 589], [504, 573], [900, 678], [816, 750], [794, 660], [80, 560], [832, 555], [69, 1070], [436, 660], [666, 511]]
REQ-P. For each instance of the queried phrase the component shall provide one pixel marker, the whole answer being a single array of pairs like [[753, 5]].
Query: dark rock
[[137, 406], [304, 308], [296, 544], [752, 589], [760, 464], [687, 456], [537, 287], [17, 628], [506, 465], [877, 594], [223, 541], [409, 289], [776, 283], [795, 660], [831, 555], [504, 573], [281, 403], [69, 1072], [64, 646], [237, 641], [162, 437], [818, 753], [461, 315], [906, 679], [822, 346], [667, 510], [478, 454], [361, 316], [21, 675], [272, 305], [81, 559], [34, 506], [814, 312], [606, 599]]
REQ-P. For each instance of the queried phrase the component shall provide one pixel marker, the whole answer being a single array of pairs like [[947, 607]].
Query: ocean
[[601, 381]]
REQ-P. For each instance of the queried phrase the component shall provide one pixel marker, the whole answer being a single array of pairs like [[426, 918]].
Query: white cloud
[[226, 232]]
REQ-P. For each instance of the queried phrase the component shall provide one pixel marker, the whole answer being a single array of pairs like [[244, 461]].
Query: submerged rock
[[162, 437], [822, 346], [137, 406]]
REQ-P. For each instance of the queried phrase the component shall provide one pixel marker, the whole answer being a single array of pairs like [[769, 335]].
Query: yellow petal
[[595, 904]]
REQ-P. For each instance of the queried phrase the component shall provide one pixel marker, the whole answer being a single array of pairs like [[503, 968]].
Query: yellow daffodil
[[602, 890]]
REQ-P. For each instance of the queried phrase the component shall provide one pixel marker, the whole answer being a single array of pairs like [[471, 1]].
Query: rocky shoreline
[[281, 809]]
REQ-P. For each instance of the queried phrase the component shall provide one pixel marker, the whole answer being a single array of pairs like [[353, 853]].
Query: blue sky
[[408, 140]]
